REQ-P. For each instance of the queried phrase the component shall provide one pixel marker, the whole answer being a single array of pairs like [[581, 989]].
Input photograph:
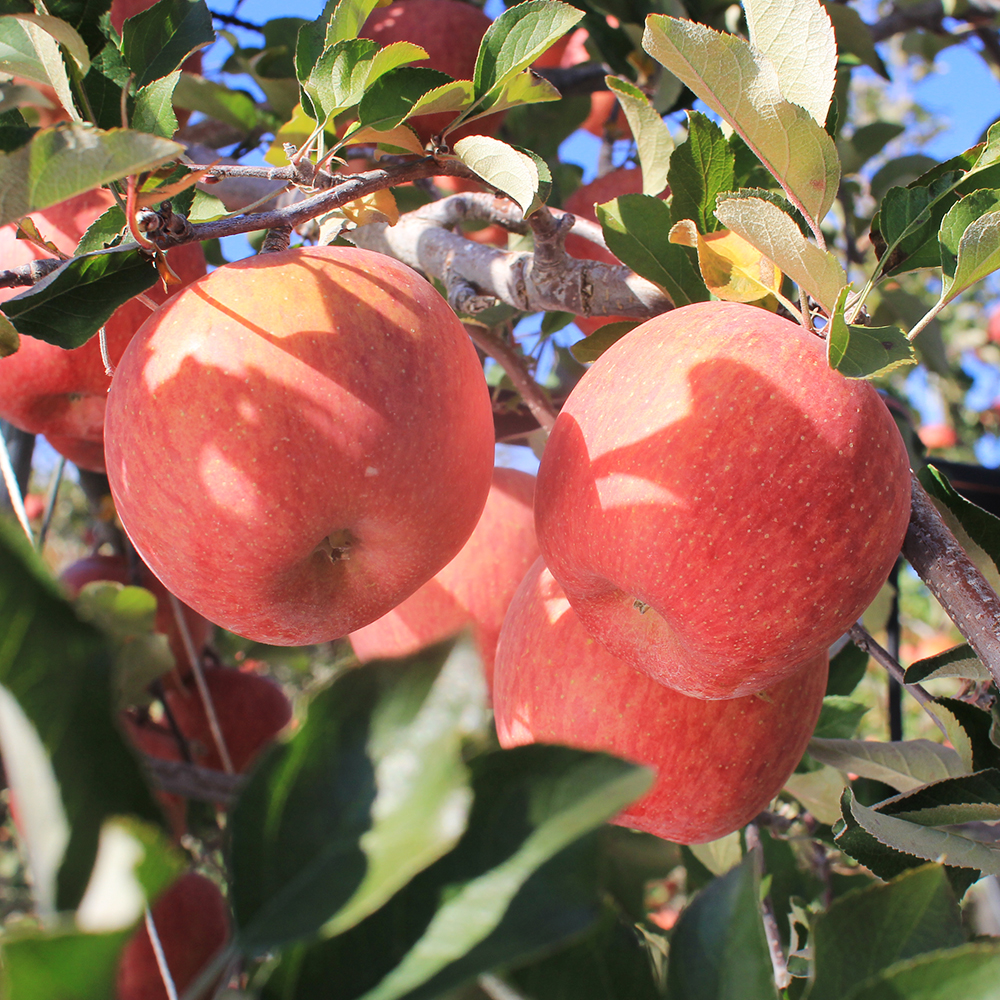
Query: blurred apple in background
[[473, 589]]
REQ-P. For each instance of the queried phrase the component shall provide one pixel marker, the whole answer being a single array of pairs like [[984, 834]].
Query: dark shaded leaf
[[846, 670], [156, 41], [868, 930], [700, 167], [70, 305]]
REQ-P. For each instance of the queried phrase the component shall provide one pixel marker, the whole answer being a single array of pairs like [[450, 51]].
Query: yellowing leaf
[[401, 137], [379, 206], [10, 340], [798, 38], [296, 130], [30, 231], [817, 272], [743, 87], [732, 268]]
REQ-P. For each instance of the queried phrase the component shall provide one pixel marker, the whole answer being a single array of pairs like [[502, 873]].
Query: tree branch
[[951, 576], [423, 240], [193, 782]]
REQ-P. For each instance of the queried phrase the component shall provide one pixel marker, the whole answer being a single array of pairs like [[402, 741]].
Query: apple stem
[[102, 340], [779, 963], [199, 678], [952, 577], [161, 958], [534, 396], [863, 639]]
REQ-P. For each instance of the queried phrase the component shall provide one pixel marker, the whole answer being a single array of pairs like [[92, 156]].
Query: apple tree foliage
[[494, 871]]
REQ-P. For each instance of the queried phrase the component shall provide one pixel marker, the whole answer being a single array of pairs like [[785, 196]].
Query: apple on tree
[[718, 763], [192, 924], [449, 31], [299, 441], [474, 589], [62, 394], [718, 503]]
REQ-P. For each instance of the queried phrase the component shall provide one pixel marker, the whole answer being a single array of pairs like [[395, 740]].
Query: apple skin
[[474, 589], [718, 503], [251, 710], [114, 568], [718, 763], [61, 394], [449, 31], [192, 923], [300, 440]]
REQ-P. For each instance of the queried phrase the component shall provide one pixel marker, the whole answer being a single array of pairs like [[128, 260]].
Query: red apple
[[115, 569], [993, 326], [449, 31], [192, 924], [299, 441], [62, 394], [82, 453], [718, 503], [251, 710], [937, 436], [473, 589], [718, 763]]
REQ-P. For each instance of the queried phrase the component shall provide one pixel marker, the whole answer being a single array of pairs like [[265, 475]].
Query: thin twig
[[199, 678], [861, 638], [50, 502], [778, 961], [13, 489], [202, 784], [161, 958], [504, 354]]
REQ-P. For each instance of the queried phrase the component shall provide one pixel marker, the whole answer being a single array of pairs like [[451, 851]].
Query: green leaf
[[343, 20], [905, 765], [777, 237], [103, 232], [591, 348], [156, 41], [924, 841], [883, 861], [610, 963], [59, 671], [9, 338], [977, 530], [69, 159], [652, 137], [969, 972], [865, 351], [866, 142], [899, 172], [637, 231], [968, 729], [231, 107], [723, 71], [452, 96], [959, 661], [969, 798], [505, 168], [718, 950], [337, 820], [338, 79], [846, 670], [701, 167], [869, 929], [154, 107], [970, 242], [517, 38], [799, 40], [66, 965], [819, 791], [854, 37], [393, 96], [71, 304], [839, 717], [521, 879], [525, 87]]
